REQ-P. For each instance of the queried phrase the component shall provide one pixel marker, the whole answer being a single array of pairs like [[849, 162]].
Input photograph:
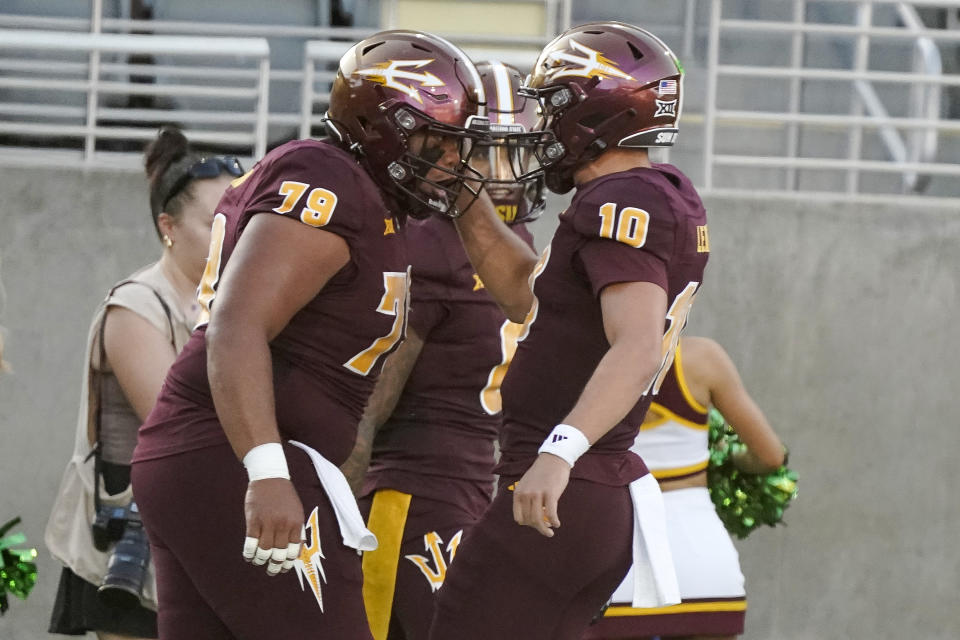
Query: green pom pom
[[18, 571], [744, 501]]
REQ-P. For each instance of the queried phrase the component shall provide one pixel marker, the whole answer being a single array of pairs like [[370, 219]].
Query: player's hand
[[274, 524], [536, 495], [473, 200]]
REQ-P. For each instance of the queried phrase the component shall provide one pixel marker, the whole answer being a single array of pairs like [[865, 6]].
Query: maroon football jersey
[[641, 225], [675, 396], [326, 360], [448, 416]]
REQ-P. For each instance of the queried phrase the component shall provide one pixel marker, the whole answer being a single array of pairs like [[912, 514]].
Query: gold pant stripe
[[388, 516], [684, 607]]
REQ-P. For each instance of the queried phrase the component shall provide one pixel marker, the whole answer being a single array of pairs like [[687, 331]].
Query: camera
[[108, 525], [127, 566]]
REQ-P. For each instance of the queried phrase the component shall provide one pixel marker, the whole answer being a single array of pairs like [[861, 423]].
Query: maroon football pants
[[192, 507], [419, 538], [511, 582]]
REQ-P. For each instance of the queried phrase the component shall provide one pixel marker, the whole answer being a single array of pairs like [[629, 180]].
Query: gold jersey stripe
[[684, 389], [388, 516], [667, 415], [683, 607], [236, 182], [663, 474]]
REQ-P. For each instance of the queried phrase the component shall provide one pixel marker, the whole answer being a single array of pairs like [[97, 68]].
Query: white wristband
[[266, 461], [567, 442]]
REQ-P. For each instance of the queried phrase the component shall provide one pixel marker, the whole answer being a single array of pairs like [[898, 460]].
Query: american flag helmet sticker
[[667, 88]]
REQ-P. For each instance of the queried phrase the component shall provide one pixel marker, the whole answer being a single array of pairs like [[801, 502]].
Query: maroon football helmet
[[604, 85], [393, 86], [503, 161]]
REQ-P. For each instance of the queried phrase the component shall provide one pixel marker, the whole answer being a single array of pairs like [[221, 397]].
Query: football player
[[603, 312], [305, 293], [431, 475], [673, 442]]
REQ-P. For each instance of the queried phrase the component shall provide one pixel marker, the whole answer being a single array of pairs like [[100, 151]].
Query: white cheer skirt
[[706, 562]]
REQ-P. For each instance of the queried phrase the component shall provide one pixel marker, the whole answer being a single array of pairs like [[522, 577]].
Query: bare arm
[[633, 314], [502, 260], [380, 406], [277, 267], [764, 449], [139, 355], [633, 318]]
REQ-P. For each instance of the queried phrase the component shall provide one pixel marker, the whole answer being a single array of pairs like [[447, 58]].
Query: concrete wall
[[837, 316], [65, 238]]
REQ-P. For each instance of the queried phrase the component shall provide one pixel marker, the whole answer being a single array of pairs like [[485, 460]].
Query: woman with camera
[[107, 585]]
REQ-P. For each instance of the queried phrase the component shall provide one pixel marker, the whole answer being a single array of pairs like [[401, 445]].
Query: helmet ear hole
[[591, 121]]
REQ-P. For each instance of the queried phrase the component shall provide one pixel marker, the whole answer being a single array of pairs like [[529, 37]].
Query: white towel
[[354, 531], [654, 576]]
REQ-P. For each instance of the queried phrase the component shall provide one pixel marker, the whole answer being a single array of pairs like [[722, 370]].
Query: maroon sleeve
[[424, 315], [311, 185], [629, 233]]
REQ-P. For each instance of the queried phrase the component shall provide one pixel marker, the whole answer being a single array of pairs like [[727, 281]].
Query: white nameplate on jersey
[[666, 109]]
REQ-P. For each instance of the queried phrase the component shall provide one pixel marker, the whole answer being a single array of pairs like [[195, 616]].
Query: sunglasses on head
[[203, 168]]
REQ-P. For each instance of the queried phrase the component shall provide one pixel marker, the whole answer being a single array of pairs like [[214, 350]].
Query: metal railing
[[311, 80], [282, 119], [913, 156], [58, 90], [223, 102]]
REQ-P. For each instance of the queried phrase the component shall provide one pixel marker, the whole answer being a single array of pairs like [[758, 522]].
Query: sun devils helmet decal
[[389, 73], [592, 63]]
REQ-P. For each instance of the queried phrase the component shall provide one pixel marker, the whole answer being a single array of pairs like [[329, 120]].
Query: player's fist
[[274, 524]]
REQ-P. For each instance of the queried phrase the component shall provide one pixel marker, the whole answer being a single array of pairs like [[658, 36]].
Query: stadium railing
[[860, 141], [913, 156], [61, 93]]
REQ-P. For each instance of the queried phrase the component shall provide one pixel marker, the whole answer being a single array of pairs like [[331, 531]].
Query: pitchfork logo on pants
[[308, 565], [431, 543]]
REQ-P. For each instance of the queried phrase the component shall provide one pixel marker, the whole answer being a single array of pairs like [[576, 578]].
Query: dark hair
[[165, 159]]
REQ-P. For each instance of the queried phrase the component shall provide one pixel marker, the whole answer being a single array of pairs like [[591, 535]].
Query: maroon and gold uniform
[[448, 415], [640, 225], [431, 473], [325, 362], [327, 358]]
